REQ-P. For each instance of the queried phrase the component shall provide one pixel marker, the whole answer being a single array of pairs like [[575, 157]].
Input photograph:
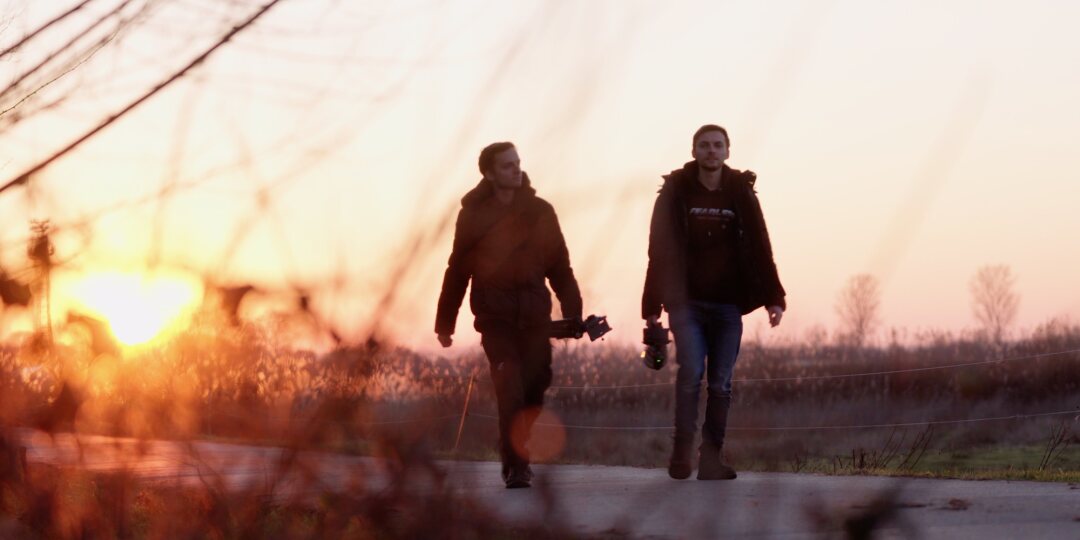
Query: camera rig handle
[[656, 339], [593, 325]]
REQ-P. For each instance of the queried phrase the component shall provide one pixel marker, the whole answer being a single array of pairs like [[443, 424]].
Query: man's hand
[[652, 320], [579, 326], [445, 340], [775, 314]]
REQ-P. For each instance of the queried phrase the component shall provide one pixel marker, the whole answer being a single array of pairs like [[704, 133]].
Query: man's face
[[505, 171], [711, 150]]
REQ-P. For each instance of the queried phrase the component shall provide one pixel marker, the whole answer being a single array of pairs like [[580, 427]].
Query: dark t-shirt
[[712, 270]]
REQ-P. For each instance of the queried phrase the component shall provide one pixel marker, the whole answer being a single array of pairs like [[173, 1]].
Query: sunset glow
[[137, 309], [907, 141]]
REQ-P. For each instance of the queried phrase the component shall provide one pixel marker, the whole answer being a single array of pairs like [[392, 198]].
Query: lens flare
[[539, 434]]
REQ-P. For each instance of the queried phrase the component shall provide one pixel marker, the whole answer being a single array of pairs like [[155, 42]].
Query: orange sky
[[910, 140]]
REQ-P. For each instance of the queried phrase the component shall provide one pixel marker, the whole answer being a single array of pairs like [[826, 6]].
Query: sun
[[137, 308]]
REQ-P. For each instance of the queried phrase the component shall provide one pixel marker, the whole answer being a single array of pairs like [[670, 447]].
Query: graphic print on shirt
[[713, 273], [723, 215]]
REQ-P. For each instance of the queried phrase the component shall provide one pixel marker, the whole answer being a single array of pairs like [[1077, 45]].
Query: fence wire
[[1075, 412]]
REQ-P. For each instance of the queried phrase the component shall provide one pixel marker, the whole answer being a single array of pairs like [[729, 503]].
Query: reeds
[[212, 382]]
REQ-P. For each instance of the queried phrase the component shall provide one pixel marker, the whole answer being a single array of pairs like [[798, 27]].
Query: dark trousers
[[520, 362]]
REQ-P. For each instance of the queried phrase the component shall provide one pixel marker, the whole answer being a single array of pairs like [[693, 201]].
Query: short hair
[[487, 155], [709, 128]]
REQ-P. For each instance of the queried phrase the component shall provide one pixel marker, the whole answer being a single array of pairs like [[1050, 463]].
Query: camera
[[655, 338], [595, 326]]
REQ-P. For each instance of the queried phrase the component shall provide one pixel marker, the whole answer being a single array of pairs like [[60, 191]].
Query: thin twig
[[25, 176]]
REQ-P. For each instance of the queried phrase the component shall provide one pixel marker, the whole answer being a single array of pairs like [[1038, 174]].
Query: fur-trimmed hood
[[665, 277], [484, 191], [689, 171], [508, 253]]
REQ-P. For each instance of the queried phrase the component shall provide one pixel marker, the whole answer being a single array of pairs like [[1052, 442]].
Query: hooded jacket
[[507, 251], [666, 277]]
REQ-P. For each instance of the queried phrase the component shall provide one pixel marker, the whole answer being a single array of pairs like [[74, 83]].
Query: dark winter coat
[[507, 251], [666, 277]]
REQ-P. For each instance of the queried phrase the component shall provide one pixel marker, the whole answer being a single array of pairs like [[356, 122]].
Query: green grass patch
[[1000, 457], [976, 463], [1002, 463]]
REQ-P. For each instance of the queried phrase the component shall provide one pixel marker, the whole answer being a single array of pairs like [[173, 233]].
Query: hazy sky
[[916, 141]]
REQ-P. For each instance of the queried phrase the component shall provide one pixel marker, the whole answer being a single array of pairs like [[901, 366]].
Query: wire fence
[[592, 387], [426, 419], [465, 412], [435, 419], [1075, 412]]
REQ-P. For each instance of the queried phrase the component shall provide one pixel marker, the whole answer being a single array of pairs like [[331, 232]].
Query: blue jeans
[[707, 338]]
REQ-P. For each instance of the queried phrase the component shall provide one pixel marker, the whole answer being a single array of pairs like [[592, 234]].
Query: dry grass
[[212, 383]]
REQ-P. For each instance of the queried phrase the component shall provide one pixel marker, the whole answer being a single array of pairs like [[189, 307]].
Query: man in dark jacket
[[710, 263], [508, 240]]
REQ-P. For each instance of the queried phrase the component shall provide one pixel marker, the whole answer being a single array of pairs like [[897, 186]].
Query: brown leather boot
[[681, 464], [711, 464]]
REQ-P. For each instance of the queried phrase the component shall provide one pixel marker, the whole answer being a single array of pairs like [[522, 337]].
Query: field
[[941, 406], [813, 409]]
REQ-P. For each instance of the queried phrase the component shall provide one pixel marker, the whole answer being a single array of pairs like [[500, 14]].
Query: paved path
[[638, 503]]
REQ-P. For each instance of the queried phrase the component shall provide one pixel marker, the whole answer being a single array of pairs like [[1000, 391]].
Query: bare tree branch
[[80, 58], [25, 176], [44, 27], [70, 43]]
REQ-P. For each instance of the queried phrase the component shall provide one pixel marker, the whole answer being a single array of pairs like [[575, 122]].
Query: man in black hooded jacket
[[507, 241], [710, 263]]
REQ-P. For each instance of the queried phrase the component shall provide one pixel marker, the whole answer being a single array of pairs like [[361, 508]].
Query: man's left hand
[[775, 314]]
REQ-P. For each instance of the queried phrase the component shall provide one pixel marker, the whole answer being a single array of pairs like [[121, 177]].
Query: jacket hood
[[484, 191], [689, 171]]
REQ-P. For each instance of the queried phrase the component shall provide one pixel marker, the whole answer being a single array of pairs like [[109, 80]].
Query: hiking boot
[[519, 477], [506, 472], [711, 464], [681, 464]]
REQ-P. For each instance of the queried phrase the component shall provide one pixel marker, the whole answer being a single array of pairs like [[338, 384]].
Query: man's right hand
[[445, 340], [652, 320]]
